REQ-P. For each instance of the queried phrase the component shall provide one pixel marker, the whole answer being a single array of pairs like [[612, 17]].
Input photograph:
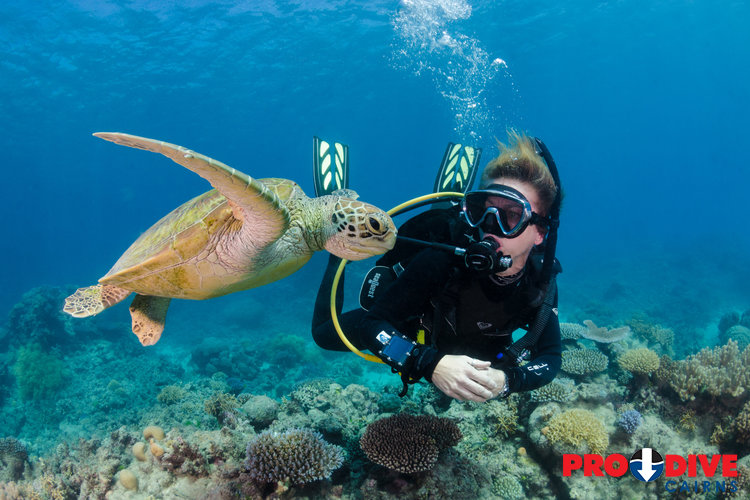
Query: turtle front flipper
[[92, 300], [149, 314], [256, 202]]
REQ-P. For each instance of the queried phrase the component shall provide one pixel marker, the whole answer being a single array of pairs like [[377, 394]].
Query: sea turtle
[[244, 233]]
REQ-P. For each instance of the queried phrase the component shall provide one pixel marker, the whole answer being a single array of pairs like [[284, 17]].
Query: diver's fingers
[[472, 391]]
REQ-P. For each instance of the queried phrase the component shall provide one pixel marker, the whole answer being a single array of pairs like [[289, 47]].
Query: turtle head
[[357, 230]]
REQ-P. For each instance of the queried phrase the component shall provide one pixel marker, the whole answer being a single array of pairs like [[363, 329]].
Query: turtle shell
[[182, 254]]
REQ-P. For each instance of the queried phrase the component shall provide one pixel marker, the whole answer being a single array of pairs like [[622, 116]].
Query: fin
[[330, 166], [149, 314], [92, 300], [458, 168], [248, 196]]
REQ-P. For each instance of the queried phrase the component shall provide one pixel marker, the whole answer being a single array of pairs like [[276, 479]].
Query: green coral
[[573, 429], [583, 361], [639, 361], [38, 374]]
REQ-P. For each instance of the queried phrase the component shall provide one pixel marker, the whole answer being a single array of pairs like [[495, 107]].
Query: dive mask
[[500, 210]]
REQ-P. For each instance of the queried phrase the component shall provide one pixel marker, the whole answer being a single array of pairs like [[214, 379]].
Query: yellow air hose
[[392, 212]]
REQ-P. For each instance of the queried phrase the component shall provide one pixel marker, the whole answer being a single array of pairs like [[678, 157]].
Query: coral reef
[[13, 459], [629, 421], [38, 374], [583, 361], [297, 455], [722, 371], [408, 443], [571, 331], [576, 431], [643, 361], [602, 334], [560, 390]]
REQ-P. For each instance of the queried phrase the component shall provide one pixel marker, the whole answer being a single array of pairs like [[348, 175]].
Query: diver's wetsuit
[[475, 317]]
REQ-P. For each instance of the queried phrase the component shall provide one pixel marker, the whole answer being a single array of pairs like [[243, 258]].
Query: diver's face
[[520, 247]]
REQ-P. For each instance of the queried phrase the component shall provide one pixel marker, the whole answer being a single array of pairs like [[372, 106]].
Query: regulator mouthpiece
[[484, 257]]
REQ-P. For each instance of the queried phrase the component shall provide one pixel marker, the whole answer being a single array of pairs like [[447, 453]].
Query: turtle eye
[[374, 225]]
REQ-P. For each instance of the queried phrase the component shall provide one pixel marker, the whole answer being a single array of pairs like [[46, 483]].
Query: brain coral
[[583, 361], [577, 430], [299, 455], [639, 361], [408, 443]]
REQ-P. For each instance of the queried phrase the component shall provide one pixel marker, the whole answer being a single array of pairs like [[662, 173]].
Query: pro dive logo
[[682, 474], [646, 465]]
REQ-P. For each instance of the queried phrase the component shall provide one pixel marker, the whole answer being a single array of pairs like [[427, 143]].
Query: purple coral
[[630, 420], [297, 455], [408, 443]]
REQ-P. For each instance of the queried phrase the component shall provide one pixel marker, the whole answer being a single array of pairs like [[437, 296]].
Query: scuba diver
[[448, 316]]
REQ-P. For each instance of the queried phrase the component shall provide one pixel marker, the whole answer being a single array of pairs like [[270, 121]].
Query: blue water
[[644, 106]]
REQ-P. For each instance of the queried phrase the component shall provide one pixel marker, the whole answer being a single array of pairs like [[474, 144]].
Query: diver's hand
[[466, 379]]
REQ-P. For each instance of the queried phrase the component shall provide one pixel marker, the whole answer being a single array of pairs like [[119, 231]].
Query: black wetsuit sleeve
[[545, 361], [398, 307]]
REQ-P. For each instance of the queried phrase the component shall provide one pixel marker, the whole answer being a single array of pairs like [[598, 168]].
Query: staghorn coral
[[602, 334], [640, 360], [408, 443], [577, 429], [721, 371], [560, 390], [297, 455], [583, 361]]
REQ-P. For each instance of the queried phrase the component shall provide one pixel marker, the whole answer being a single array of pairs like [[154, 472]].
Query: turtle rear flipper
[[94, 299], [149, 314]]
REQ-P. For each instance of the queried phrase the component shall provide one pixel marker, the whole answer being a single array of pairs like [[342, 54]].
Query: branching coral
[[639, 361], [297, 455], [583, 361], [560, 390], [408, 443], [653, 334], [721, 371], [575, 428], [571, 331]]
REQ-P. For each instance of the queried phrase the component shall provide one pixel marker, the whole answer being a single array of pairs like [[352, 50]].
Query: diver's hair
[[519, 160]]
